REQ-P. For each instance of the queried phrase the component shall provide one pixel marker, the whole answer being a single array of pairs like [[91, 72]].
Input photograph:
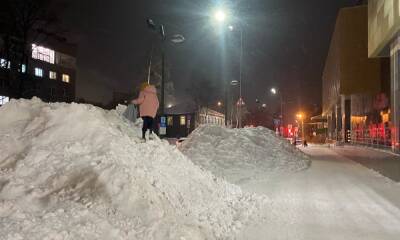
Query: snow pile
[[70, 171], [242, 154]]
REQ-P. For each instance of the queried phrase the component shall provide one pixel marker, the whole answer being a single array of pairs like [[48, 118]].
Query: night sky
[[285, 45]]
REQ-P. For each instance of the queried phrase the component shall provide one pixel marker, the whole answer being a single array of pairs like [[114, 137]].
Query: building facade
[[49, 73], [180, 123], [355, 87], [384, 41]]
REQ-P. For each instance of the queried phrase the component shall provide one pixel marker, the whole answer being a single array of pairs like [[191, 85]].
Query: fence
[[378, 137]]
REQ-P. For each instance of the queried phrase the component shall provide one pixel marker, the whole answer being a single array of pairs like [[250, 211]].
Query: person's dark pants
[[147, 124]]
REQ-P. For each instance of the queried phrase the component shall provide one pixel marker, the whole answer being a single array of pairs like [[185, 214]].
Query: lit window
[[65, 78], [38, 72], [4, 100], [23, 68], [43, 54], [5, 64], [52, 75], [170, 121], [183, 120]]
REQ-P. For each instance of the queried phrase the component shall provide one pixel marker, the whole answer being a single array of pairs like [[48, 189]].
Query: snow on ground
[[243, 154], [335, 198], [70, 171]]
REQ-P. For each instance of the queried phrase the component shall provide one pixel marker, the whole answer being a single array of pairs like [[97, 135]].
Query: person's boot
[[143, 136], [151, 135]]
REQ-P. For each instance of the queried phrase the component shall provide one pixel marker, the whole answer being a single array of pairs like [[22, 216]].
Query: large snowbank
[[70, 171], [242, 154]]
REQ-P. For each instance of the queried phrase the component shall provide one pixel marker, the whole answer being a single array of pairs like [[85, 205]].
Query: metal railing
[[373, 137]]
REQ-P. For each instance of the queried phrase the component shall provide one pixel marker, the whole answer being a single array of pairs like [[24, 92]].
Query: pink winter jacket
[[148, 102]]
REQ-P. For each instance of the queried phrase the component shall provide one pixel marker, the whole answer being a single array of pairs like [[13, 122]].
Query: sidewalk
[[335, 198], [386, 163]]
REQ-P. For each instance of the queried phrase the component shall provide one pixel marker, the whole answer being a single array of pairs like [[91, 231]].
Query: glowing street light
[[220, 15], [300, 116], [274, 91], [219, 104]]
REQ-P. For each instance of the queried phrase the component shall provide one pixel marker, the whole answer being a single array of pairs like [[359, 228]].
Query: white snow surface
[[334, 199], [241, 155], [73, 171]]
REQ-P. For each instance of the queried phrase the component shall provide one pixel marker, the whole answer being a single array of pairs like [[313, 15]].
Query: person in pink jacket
[[148, 106]]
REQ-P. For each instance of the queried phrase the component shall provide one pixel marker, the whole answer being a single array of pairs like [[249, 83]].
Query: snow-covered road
[[334, 199]]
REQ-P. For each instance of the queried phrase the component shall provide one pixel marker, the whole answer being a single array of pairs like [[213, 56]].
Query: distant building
[[181, 120], [384, 41], [355, 87], [50, 73]]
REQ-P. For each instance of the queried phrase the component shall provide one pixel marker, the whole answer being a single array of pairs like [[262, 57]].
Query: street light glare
[[273, 91], [220, 15]]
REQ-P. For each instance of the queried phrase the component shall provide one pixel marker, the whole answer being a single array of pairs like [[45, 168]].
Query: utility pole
[[163, 81], [240, 77], [226, 102], [281, 96]]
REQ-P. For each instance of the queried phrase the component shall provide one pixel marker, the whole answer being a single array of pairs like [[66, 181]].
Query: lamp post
[[300, 116], [275, 91], [240, 73], [220, 16], [176, 39]]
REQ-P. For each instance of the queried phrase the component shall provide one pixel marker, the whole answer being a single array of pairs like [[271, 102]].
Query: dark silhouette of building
[[50, 73]]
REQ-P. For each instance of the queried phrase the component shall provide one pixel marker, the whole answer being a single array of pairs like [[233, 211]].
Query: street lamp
[[234, 82], [219, 104], [220, 15], [275, 91], [300, 116], [240, 29], [176, 39]]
